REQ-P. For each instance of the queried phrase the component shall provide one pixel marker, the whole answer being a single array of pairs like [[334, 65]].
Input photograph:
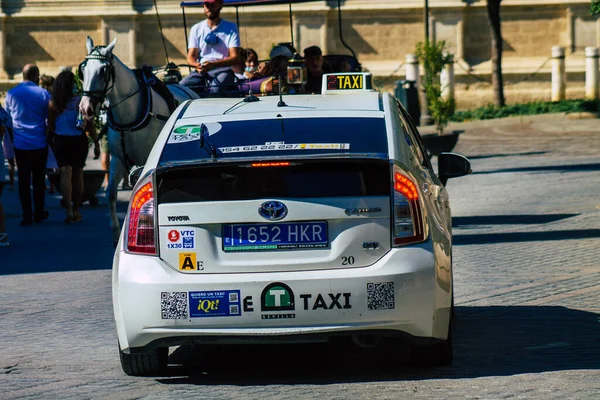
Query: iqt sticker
[[221, 303]]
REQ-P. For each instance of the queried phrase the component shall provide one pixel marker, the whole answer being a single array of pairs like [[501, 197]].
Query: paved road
[[527, 245]]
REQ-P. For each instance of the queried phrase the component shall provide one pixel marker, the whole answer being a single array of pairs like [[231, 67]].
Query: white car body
[[358, 283]]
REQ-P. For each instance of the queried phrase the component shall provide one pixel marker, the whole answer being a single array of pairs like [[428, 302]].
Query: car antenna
[[251, 98], [281, 102]]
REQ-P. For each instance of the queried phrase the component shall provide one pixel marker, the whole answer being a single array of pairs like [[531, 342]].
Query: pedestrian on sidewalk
[[8, 152], [4, 118], [70, 141], [27, 105], [47, 81]]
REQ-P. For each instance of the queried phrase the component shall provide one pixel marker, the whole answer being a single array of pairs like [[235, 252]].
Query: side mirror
[[451, 165], [134, 175]]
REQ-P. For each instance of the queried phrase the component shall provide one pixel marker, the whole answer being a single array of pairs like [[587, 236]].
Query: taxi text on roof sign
[[347, 83]]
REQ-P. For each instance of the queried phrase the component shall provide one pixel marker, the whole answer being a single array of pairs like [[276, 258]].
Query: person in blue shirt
[[70, 142], [27, 105]]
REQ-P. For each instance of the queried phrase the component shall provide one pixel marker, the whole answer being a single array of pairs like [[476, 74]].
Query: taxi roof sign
[[349, 82]]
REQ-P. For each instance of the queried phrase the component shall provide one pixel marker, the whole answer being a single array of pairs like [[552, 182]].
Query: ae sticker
[[187, 261]]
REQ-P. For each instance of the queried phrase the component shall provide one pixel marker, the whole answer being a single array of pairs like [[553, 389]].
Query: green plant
[[595, 7], [537, 107], [433, 57]]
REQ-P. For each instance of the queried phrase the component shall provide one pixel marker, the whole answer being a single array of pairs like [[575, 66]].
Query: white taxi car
[[298, 218]]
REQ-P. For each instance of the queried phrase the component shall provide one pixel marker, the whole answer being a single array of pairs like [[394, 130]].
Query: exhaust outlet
[[366, 341]]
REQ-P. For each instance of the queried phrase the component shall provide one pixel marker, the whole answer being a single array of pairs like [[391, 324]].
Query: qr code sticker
[[380, 296], [174, 305], [233, 297], [234, 309]]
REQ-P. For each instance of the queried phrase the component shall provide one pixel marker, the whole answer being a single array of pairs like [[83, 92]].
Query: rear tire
[[151, 363], [434, 355]]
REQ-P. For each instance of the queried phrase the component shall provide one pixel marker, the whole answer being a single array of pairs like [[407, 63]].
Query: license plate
[[282, 236]]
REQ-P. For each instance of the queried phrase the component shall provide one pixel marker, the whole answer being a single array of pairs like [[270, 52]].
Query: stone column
[[122, 28], [447, 78], [559, 75], [591, 73], [570, 30]]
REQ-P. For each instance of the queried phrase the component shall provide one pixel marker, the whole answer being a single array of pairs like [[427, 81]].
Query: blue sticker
[[188, 242], [224, 303]]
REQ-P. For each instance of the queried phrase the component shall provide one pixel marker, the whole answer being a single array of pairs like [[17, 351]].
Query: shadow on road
[[489, 238], [488, 341], [547, 168], [518, 219], [52, 246], [529, 153]]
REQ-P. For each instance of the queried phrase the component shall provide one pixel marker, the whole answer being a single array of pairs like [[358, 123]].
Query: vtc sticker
[[181, 239], [221, 303]]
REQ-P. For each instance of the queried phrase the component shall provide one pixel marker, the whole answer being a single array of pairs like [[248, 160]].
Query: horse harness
[[146, 82]]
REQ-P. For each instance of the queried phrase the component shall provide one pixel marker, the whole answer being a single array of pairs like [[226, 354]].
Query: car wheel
[[151, 363], [434, 355]]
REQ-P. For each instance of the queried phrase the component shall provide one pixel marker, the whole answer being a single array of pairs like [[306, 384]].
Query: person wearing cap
[[213, 48], [277, 68], [315, 68]]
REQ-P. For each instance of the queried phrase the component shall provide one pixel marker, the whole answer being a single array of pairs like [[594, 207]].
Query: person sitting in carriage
[[271, 72], [213, 48]]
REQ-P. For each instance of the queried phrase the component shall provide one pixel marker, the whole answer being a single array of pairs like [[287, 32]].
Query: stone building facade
[[51, 33]]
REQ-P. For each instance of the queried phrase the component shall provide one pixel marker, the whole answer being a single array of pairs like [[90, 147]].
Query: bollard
[[412, 69], [591, 73], [559, 76], [447, 78]]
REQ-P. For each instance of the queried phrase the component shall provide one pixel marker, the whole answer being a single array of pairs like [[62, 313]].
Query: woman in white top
[[70, 142]]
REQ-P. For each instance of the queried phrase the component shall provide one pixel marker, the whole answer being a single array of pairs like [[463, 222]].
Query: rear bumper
[[401, 295]]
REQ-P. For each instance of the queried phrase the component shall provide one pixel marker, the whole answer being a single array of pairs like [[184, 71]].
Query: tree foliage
[[433, 57], [595, 7]]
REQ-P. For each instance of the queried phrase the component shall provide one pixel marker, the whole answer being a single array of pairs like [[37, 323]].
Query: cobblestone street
[[527, 289]]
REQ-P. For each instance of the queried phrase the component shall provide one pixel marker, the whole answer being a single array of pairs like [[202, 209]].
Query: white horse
[[136, 115]]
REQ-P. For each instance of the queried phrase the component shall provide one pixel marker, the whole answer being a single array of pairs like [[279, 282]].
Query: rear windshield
[[276, 137], [302, 179]]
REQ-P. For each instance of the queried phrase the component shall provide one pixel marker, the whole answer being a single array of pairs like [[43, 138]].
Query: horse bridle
[[109, 75], [109, 78]]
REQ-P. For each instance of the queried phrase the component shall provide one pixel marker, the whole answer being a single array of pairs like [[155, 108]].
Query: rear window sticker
[[278, 146], [189, 133]]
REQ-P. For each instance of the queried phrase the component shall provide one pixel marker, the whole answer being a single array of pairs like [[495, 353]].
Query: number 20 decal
[[347, 260]]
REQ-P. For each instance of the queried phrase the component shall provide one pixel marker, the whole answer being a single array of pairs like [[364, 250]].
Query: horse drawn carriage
[[140, 104]]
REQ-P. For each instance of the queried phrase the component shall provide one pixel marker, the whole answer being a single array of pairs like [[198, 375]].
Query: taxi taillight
[[408, 224], [141, 234]]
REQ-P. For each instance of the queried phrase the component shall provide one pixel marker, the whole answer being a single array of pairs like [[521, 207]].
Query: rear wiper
[[206, 144]]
